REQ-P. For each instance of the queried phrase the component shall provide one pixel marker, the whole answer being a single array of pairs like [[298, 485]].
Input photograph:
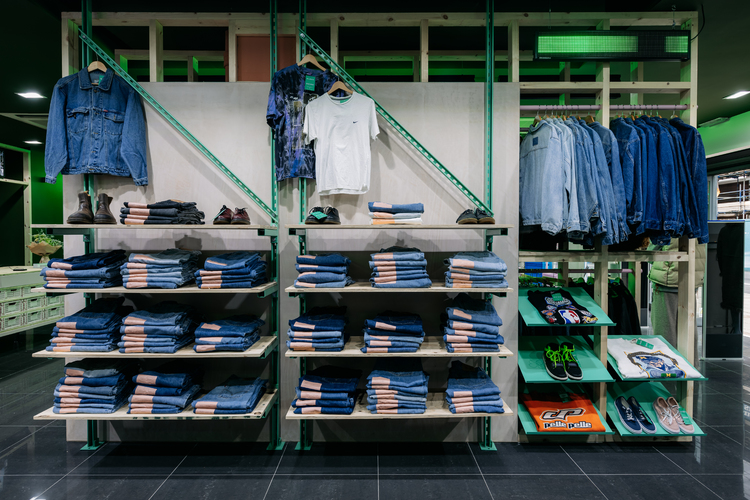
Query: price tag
[[309, 82], [557, 297], [319, 215], [645, 344], [685, 417]]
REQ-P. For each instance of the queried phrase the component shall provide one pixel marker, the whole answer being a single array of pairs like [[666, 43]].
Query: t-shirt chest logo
[[562, 414]]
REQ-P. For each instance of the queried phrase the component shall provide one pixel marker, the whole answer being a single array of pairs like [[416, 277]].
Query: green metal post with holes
[[302, 182]]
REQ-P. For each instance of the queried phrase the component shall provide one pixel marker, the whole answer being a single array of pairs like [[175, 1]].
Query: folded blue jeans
[[170, 257], [398, 265], [418, 283], [465, 380], [326, 259], [468, 310], [182, 400], [329, 403], [396, 253], [389, 349], [318, 277], [162, 314], [325, 410], [88, 261], [303, 268], [302, 345], [379, 206], [234, 394], [292, 334], [100, 272], [318, 321], [450, 348], [472, 333], [410, 411], [105, 390], [492, 397], [449, 283], [319, 394], [334, 284], [478, 408], [232, 260], [479, 261], [97, 368], [157, 379]]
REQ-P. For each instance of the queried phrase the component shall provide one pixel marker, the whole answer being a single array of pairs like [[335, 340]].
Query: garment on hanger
[[342, 128], [292, 89]]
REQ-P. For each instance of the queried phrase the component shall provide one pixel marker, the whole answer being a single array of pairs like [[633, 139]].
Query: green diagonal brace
[[305, 38], [177, 125]]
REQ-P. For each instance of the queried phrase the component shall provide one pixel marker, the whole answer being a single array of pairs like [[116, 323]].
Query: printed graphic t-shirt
[[342, 128], [292, 89], [558, 307], [552, 414]]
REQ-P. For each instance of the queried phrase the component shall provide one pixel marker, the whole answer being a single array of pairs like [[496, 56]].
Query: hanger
[[339, 85], [309, 58], [589, 119], [537, 118], [96, 65]]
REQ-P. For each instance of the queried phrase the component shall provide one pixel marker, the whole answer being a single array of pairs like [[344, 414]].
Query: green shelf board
[[646, 393], [532, 317], [613, 363], [531, 360], [529, 426]]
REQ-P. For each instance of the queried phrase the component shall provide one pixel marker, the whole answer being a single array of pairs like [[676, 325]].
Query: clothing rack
[[596, 107]]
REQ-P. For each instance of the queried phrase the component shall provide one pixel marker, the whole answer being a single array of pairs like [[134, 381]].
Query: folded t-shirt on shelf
[[636, 361], [558, 307]]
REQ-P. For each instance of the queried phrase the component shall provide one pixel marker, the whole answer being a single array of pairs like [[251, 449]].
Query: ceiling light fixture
[[30, 95], [32, 142], [738, 94]]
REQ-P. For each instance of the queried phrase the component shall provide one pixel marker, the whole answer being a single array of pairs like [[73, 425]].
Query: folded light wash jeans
[[234, 326], [333, 284], [396, 322], [458, 326], [318, 277], [302, 268], [232, 260], [379, 206], [88, 261], [182, 400], [418, 283], [479, 261], [449, 283], [466, 309], [326, 259], [170, 257], [465, 380], [234, 394], [397, 253]]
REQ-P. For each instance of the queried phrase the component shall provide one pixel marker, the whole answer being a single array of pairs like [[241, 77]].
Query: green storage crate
[[10, 293], [10, 322], [26, 291], [53, 300], [12, 307], [35, 316], [35, 303], [55, 312]]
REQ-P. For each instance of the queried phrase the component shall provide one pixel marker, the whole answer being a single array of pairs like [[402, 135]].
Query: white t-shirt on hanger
[[342, 128]]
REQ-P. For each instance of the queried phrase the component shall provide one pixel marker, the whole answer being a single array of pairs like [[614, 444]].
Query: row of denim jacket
[[646, 175]]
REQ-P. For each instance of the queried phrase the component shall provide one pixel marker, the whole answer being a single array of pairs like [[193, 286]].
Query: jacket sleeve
[[56, 146], [133, 147]]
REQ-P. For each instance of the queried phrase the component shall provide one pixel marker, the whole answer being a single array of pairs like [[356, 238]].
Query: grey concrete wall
[[230, 120]]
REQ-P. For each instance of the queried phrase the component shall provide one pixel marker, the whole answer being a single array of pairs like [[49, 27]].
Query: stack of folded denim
[[476, 270], [393, 332], [165, 328], [327, 389], [94, 270], [237, 333], [163, 212], [96, 328], [399, 267], [232, 270], [320, 329], [93, 386], [386, 214], [471, 390], [168, 269], [472, 325], [323, 271], [168, 390], [236, 396], [397, 386]]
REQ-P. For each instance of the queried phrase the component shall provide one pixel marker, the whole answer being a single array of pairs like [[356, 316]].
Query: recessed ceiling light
[[30, 95], [32, 142], [738, 94]]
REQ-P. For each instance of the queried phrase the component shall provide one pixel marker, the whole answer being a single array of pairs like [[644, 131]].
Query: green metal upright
[[302, 182]]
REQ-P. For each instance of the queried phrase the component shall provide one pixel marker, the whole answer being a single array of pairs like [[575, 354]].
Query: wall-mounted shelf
[[533, 317], [681, 358], [366, 287], [263, 290], [432, 347], [497, 229], [531, 360], [84, 228], [3, 180], [591, 256]]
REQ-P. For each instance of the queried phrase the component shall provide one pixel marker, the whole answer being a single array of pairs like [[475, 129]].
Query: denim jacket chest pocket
[[113, 122], [77, 120]]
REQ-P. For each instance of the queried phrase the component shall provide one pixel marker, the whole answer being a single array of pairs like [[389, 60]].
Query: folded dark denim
[[231, 284], [157, 212], [73, 286], [379, 206], [320, 319], [81, 394], [234, 326], [302, 268], [417, 283], [472, 278], [331, 379], [320, 341], [410, 411], [389, 349], [86, 410], [91, 390], [182, 205], [460, 326], [398, 374], [479, 261], [158, 349], [478, 408], [162, 379], [317, 394], [88, 261], [400, 274], [82, 339], [152, 390], [232, 260], [156, 411], [393, 321], [172, 256], [239, 347], [297, 345], [98, 367], [317, 277], [374, 342], [498, 339], [329, 259], [328, 403], [258, 269], [83, 281], [181, 400], [396, 253], [80, 348], [324, 410], [382, 265], [468, 310], [234, 394], [227, 340], [88, 401], [471, 399], [481, 284], [258, 273], [100, 272], [473, 348], [313, 335], [334, 284], [465, 380], [167, 313]]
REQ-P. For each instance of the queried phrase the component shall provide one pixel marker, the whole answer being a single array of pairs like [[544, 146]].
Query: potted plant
[[44, 245]]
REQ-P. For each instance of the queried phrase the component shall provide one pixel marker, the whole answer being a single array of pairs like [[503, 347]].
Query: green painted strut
[[177, 125], [304, 38]]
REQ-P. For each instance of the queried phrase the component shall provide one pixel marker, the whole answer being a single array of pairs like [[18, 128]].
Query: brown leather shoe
[[103, 213], [224, 216], [240, 216], [84, 215]]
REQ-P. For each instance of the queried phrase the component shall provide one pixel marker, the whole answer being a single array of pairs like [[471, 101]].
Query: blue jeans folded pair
[[155, 409], [228, 341], [407, 339], [313, 335], [320, 394], [367, 349], [232, 284], [257, 271], [379, 206], [315, 346], [393, 321], [305, 268], [239, 347], [477, 408], [330, 379], [328, 403], [461, 328], [171, 257], [472, 399], [400, 273], [410, 411], [372, 397], [333, 284], [160, 281], [83, 281], [473, 348], [398, 374], [99, 339], [234, 326], [405, 265], [396, 253], [468, 310], [178, 204], [163, 314], [161, 379], [102, 314], [81, 390], [73, 286], [152, 390], [418, 283], [97, 368], [460, 339], [88, 261], [81, 348], [477, 261], [154, 349], [233, 261], [465, 380], [181, 400], [324, 410], [234, 394], [320, 319], [473, 333], [110, 271], [477, 284], [110, 381], [471, 278], [326, 259], [320, 341], [86, 410], [318, 277]]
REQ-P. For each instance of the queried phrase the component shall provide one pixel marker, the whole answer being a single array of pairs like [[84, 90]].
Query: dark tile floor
[[37, 463]]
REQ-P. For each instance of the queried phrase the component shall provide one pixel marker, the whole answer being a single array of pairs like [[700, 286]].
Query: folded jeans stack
[[327, 390], [393, 332], [237, 333], [94, 270], [162, 212], [165, 391], [320, 329], [93, 386], [476, 270], [471, 390], [168, 269], [399, 267], [323, 271], [96, 328], [387, 214], [236, 396], [397, 386], [471, 325], [163, 328], [232, 270]]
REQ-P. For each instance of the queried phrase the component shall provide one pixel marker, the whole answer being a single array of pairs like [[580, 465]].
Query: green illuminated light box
[[651, 45]]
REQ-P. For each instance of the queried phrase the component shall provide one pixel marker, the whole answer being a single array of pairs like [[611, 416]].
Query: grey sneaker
[[467, 217], [483, 217], [674, 407], [664, 414]]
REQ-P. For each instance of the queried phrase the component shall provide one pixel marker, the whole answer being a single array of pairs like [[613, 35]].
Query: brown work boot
[[103, 214], [84, 215], [224, 216], [240, 216]]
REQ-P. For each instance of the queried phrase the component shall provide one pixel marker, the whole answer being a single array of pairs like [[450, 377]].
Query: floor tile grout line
[[26, 437], [283, 450], [377, 466], [583, 472], [729, 438], [689, 474], [70, 471], [480, 471], [170, 474]]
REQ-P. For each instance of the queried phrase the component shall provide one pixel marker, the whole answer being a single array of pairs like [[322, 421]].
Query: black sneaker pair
[[560, 362], [327, 215], [475, 216]]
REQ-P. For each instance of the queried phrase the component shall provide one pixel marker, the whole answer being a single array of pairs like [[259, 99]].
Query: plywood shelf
[[560, 87], [432, 347], [258, 350], [13, 181], [649, 87], [181, 227], [261, 411], [437, 407], [448, 227], [366, 287], [262, 290]]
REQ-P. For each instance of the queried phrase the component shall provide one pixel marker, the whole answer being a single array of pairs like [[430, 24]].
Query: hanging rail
[[177, 125], [596, 107]]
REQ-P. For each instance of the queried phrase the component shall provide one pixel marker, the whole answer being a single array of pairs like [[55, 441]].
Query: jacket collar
[[84, 80]]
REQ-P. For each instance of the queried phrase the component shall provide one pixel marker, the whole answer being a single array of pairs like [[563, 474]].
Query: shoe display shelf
[[645, 392], [531, 360], [529, 426], [431, 347]]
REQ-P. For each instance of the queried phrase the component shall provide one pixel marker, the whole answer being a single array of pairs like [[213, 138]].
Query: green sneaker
[[553, 362]]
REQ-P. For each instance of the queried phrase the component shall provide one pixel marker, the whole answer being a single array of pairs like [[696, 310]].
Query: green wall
[[727, 136], [46, 199]]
